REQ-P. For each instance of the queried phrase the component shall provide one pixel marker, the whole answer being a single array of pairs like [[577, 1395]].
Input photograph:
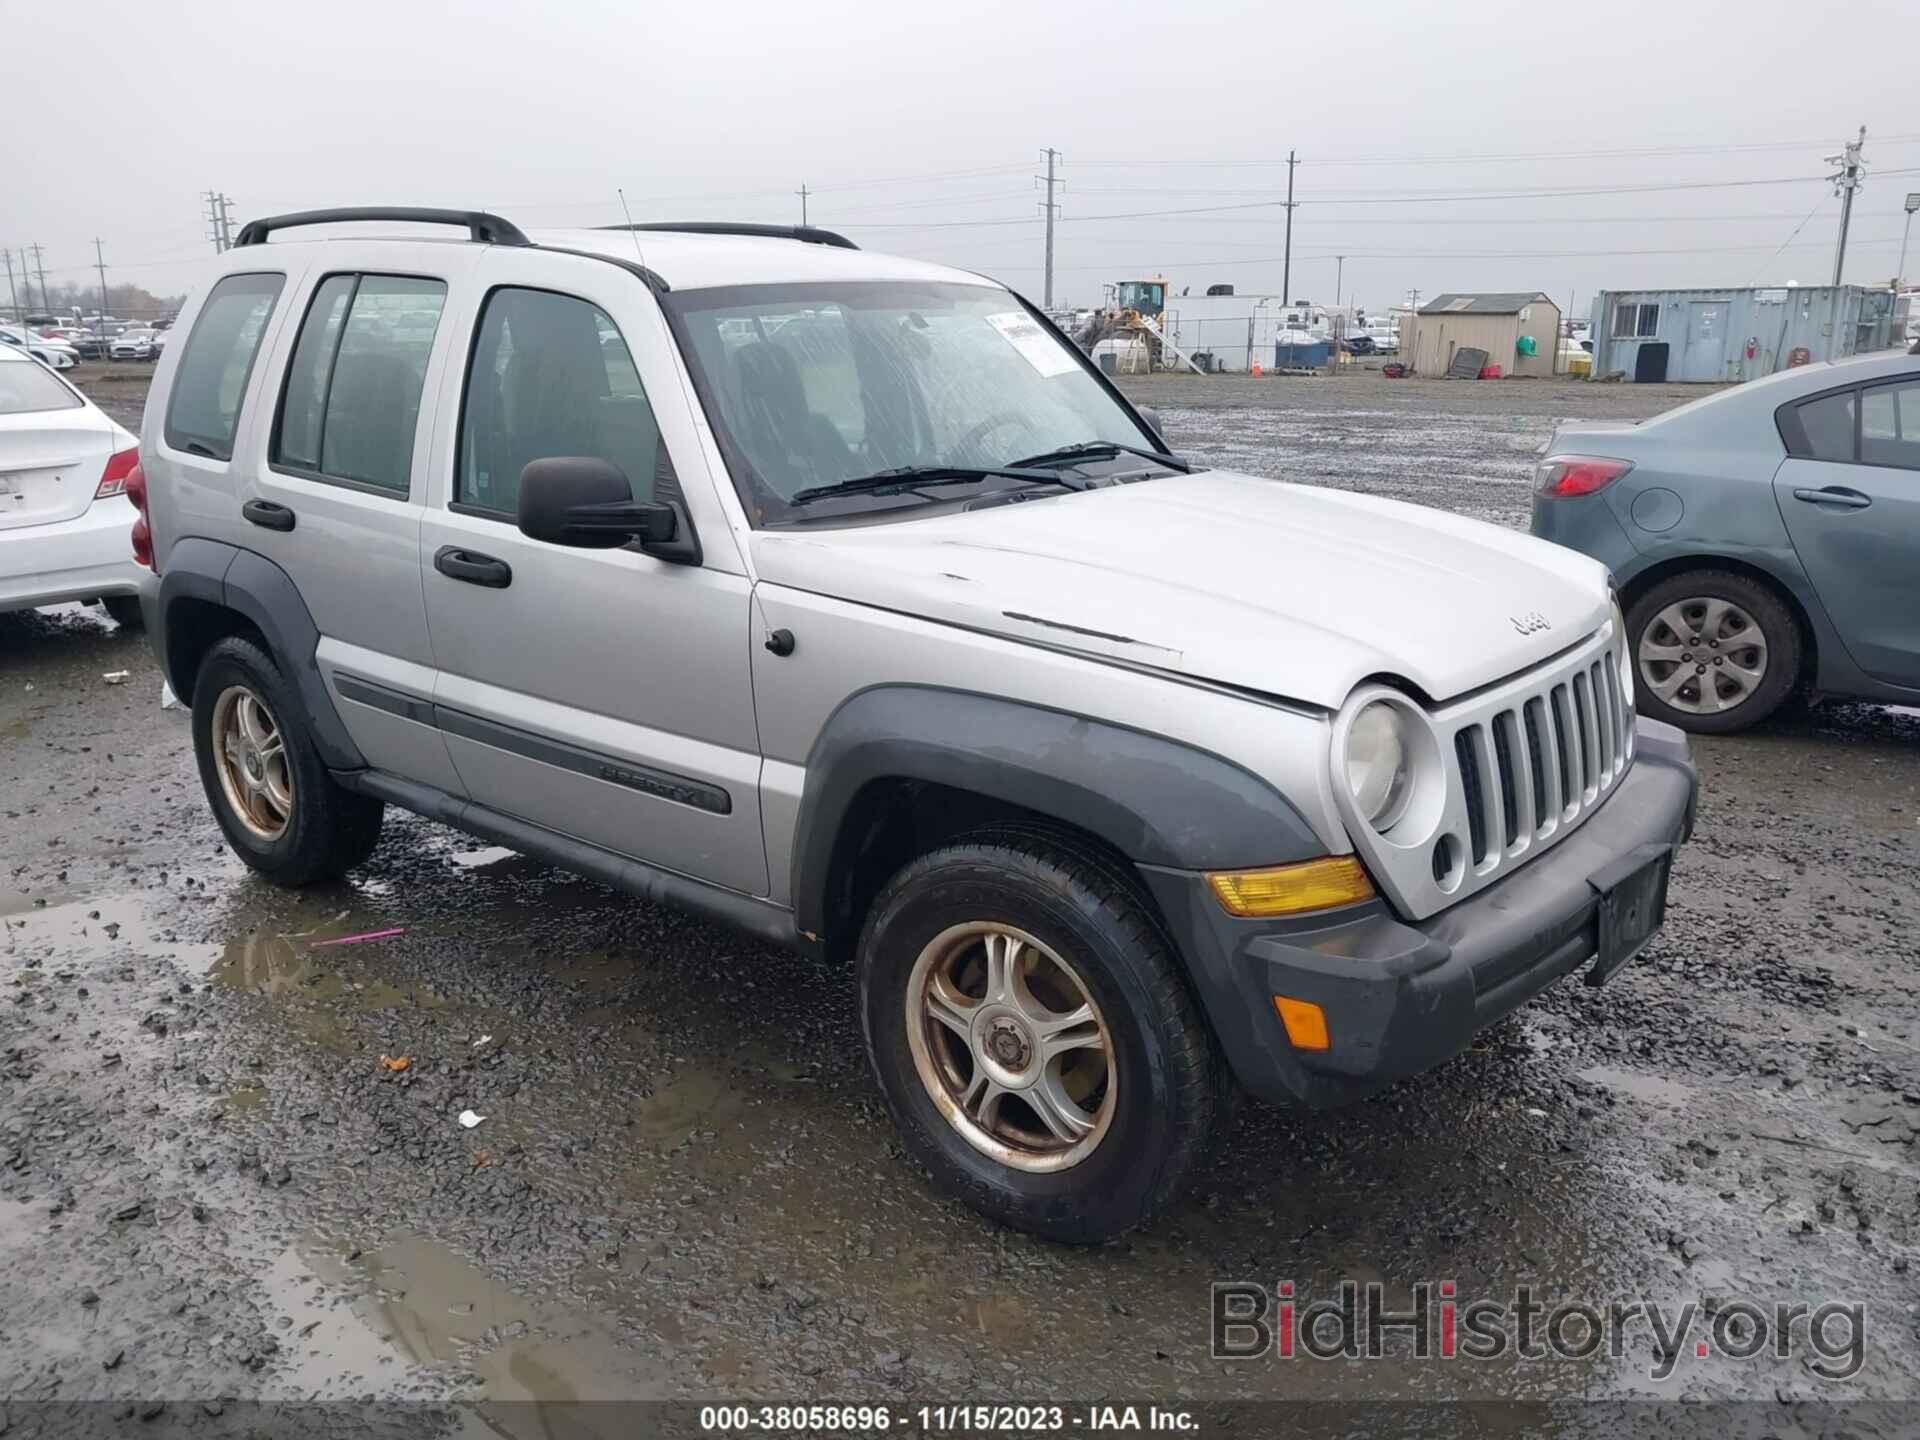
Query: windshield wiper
[[905, 477], [1103, 450]]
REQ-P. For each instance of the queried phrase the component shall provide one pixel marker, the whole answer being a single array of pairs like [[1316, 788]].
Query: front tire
[[1713, 651], [1036, 1042], [279, 808]]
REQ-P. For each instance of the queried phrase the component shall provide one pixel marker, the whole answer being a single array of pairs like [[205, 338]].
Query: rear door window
[[1890, 425], [204, 410], [1826, 428], [351, 402]]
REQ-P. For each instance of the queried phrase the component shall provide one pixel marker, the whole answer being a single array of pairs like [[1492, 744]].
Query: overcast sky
[[919, 129]]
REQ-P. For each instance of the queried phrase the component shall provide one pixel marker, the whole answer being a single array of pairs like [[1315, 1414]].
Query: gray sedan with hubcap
[[1763, 539]]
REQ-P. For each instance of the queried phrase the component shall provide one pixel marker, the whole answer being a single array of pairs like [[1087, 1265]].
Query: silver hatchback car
[[1763, 538]]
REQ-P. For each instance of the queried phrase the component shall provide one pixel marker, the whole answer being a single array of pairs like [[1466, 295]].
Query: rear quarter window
[[203, 411]]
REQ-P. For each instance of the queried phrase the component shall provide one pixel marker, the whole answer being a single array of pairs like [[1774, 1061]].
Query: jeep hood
[[1291, 590]]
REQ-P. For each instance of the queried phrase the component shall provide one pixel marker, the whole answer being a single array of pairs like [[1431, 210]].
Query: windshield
[[812, 385]]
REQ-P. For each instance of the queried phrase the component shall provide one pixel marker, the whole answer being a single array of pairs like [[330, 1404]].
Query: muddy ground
[[214, 1188]]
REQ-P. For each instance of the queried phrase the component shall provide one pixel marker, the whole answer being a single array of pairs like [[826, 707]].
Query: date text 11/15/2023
[[967, 1419]]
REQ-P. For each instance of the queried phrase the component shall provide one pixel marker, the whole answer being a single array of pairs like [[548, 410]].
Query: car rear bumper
[[83, 558], [1401, 998]]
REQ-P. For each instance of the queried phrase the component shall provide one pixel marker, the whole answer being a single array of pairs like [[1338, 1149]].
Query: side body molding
[[1155, 800], [212, 573]]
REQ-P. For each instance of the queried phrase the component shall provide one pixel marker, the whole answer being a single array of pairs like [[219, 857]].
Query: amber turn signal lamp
[[1306, 1022], [1292, 889]]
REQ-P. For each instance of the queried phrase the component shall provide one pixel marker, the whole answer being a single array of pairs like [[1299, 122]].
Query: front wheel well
[[1681, 565], [894, 820]]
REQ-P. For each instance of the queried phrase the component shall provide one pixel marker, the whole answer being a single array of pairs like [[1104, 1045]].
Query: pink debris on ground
[[356, 939]]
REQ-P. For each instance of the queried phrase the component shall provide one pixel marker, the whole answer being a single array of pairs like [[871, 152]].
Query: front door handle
[[1836, 495], [268, 515], [472, 567]]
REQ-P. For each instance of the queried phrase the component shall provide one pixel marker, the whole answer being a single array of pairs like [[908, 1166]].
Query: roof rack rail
[[810, 234], [482, 228]]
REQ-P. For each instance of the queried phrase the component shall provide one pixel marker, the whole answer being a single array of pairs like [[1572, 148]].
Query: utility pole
[[100, 261], [40, 264], [12, 293], [1339, 277], [1286, 268], [1844, 184], [1051, 179], [802, 192]]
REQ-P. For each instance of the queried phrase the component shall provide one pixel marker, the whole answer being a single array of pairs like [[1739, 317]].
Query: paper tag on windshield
[[1036, 346]]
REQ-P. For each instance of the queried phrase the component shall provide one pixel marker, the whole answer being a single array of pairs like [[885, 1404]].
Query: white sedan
[[133, 345], [55, 354], [65, 519]]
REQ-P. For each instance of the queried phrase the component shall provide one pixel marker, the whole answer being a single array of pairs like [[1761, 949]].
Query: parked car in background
[[65, 521], [1763, 538], [1386, 337], [55, 354], [1359, 343], [89, 346], [1114, 778], [132, 345]]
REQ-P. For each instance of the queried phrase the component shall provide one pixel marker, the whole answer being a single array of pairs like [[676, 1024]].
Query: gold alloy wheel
[[1011, 1047], [251, 755]]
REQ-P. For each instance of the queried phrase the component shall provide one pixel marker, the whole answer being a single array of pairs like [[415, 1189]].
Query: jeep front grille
[[1521, 764], [1541, 759]]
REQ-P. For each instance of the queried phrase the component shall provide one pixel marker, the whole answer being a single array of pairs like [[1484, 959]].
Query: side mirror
[[585, 502], [1152, 417]]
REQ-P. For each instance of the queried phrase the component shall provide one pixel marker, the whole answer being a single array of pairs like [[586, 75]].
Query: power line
[[1459, 157]]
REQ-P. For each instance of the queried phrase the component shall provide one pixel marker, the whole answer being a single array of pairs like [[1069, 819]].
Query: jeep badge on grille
[[1531, 622]]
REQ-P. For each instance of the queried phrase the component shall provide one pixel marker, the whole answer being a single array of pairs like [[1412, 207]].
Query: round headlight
[[1378, 770]]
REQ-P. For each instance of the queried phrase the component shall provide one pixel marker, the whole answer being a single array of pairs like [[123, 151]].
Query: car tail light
[[113, 480], [134, 487], [1568, 477]]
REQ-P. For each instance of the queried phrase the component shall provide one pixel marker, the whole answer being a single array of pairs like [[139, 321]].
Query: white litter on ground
[[469, 1119]]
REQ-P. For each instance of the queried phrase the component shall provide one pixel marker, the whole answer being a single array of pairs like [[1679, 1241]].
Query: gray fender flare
[[251, 585], [1156, 801]]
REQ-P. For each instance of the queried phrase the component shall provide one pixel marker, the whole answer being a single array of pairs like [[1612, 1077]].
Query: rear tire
[[1724, 647], [1131, 1098], [124, 610], [279, 808]]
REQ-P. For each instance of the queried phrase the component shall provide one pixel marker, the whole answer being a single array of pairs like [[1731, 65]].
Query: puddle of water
[[1653, 1089], [248, 1096], [698, 1097], [99, 928], [281, 967], [415, 1304]]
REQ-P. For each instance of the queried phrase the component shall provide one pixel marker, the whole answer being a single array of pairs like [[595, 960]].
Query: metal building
[[1713, 336], [1495, 323]]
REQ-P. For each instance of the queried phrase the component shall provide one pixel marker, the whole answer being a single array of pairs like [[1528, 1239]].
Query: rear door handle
[[268, 515], [472, 567], [1836, 495]]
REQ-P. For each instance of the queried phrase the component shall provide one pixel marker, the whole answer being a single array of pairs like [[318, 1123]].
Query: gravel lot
[[214, 1190]]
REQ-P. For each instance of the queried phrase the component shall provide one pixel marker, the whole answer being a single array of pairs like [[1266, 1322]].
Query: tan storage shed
[[1493, 323]]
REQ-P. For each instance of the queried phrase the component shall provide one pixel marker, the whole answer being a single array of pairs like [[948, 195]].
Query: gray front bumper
[[1400, 998]]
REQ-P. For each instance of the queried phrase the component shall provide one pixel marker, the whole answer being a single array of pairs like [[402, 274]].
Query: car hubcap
[[1703, 656], [1011, 1047], [251, 755]]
